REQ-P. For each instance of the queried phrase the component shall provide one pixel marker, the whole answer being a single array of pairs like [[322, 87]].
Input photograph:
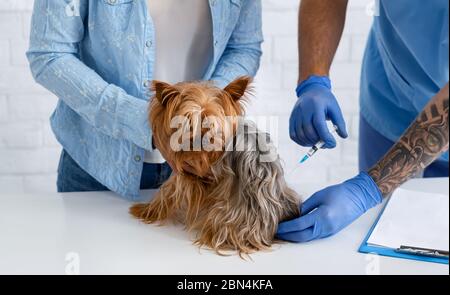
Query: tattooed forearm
[[423, 142]]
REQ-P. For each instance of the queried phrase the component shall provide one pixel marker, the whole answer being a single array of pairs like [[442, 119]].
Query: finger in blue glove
[[332, 209]]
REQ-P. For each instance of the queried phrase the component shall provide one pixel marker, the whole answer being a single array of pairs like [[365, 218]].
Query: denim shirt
[[97, 57]]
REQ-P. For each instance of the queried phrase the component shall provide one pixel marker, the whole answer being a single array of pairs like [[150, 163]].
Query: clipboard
[[390, 252]]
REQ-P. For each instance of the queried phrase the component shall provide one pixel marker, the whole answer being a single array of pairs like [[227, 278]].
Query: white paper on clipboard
[[414, 219]]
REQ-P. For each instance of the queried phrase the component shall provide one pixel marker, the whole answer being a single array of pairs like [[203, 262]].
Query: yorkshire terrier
[[233, 195]]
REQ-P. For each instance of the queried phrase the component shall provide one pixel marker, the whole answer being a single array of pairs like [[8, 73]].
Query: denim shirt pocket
[[118, 13]]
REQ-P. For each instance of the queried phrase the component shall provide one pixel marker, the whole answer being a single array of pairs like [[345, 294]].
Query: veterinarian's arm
[[54, 62], [320, 27], [243, 52], [330, 210], [424, 141]]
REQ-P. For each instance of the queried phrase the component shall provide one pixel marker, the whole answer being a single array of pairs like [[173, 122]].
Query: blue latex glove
[[330, 210], [316, 104]]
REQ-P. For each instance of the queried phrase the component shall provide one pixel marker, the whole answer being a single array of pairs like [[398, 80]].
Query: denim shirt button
[[149, 43], [137, 158], [216, 43], [112, 1], [147, 84]]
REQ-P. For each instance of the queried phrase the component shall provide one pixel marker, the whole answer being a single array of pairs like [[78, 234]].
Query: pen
[[423, 252], [316, 147]]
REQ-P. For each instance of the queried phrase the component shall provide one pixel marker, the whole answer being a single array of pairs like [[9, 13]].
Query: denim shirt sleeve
[[54, 61], [243, 51]]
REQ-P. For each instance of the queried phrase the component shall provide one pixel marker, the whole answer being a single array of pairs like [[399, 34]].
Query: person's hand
[[316, 104], [330, 210]]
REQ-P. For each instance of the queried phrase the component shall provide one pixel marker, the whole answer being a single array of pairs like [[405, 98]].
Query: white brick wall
[[29, 153]]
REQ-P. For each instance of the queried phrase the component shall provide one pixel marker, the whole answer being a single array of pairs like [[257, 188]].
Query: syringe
[[317, 146]]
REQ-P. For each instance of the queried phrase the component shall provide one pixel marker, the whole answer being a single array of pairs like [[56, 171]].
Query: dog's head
[[192, 121]]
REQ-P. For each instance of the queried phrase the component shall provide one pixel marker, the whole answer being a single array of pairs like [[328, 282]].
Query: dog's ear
[[164, 92], [239, 87]]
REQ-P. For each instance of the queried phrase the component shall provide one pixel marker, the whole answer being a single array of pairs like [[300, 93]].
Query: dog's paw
[[144, 212]]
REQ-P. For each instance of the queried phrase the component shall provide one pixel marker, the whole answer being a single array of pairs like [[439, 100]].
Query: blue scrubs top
[[405, 63]]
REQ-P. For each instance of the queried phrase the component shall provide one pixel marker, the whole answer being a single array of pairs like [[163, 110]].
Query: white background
[[29, 153]]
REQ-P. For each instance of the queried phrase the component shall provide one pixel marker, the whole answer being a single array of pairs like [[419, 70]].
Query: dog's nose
[[189, 168]]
